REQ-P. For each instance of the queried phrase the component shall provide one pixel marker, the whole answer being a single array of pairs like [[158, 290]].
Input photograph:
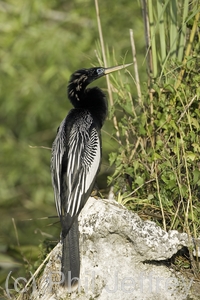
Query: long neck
[[91, 99], [96, 103]]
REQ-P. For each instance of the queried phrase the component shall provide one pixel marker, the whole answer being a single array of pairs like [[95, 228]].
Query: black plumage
[[76, 157]]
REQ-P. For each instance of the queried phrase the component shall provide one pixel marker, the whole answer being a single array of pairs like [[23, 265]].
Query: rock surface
[[119, 255]]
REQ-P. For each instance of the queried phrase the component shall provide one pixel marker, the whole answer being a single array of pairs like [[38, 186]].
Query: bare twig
[[41, 147], [159, 197], [186, 108], [137, 79], [33, 277], [147, 37], [16, 233], [188, 50], [105, 64]]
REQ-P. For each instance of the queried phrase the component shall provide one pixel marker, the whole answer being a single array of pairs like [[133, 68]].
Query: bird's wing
[[72, 184], [84, 157], [58, 150]]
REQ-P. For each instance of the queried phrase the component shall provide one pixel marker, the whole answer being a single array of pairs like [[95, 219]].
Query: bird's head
[[82, 78]]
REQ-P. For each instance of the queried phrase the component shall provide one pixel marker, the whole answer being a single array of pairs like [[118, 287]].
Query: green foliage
[[157, 165]]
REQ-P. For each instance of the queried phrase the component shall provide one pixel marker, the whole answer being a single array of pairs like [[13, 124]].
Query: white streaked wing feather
[[58, 151], [83, 159], [92, 158]]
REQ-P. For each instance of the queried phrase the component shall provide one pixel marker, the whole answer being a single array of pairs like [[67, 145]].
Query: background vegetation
[[153, 146], [42, 43], [159, 153]]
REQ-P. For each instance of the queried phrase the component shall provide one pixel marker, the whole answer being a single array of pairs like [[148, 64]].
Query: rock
[[119, 255]]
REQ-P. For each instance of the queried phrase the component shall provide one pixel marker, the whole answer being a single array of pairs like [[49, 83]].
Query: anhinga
[[76, 156]]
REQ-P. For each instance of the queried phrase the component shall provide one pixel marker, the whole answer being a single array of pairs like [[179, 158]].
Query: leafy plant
[[157, 165]]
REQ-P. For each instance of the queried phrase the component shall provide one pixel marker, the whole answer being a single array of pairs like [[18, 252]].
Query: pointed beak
[[113, 69]]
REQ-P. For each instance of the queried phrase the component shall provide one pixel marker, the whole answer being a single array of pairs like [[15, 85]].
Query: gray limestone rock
[[119, 259]]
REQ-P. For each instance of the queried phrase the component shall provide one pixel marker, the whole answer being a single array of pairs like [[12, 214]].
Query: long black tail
[[71, 258]]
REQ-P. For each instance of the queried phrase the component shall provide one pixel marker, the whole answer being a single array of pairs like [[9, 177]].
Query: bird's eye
[[100, 71]]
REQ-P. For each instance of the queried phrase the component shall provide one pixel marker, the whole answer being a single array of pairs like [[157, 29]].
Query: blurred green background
[[42, 42]]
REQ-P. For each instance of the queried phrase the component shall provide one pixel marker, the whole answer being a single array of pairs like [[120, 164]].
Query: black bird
[[76, 156]]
